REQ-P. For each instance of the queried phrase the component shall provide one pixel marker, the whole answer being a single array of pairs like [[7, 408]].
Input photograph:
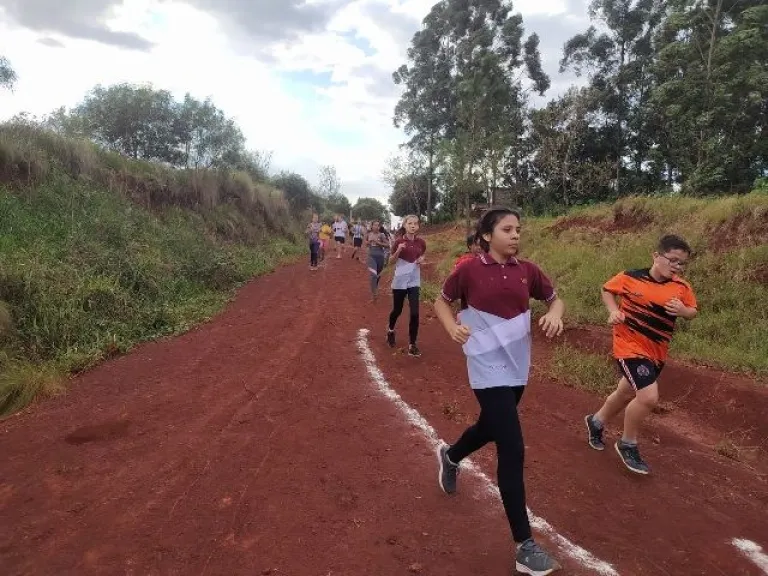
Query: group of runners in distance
[[493, 288]]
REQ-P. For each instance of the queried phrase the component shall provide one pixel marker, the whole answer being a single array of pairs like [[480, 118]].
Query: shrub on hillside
[[29, 154]]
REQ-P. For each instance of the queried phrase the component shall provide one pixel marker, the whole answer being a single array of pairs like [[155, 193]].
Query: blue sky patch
[[342, 137], [358, 42], [307, 78]]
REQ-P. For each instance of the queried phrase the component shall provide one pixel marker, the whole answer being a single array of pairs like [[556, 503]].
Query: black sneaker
[[391, 338], [595, 437], [630, 455], [533, 559], [414, 351], [448, 471]]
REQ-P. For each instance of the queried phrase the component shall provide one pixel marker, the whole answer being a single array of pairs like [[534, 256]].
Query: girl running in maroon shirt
[[408, 254], [494, 328]]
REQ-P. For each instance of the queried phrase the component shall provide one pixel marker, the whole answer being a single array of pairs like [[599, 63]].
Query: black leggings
[[499, 422], [314, 247], [398, 297]]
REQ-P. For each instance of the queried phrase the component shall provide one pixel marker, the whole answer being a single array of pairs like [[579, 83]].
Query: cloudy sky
[[309, 80]]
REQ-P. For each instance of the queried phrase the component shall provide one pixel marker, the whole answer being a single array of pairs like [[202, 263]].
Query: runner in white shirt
[[358, 233], [340, 230]]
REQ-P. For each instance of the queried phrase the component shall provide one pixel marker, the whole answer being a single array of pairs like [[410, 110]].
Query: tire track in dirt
[[193, 426]]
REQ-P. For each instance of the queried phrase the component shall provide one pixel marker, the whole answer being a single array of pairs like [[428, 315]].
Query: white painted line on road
[[752, 551], [582, 556]]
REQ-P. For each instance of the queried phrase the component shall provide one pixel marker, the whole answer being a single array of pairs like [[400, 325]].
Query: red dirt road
[[257, 444]]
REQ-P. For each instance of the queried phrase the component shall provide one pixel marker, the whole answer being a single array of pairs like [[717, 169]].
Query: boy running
[[495, 331], [650, 301]]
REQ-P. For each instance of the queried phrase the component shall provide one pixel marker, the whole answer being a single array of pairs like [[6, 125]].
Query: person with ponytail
[[494, 329]]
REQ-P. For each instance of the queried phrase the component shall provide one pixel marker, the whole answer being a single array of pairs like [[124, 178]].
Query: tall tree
[[206, 137], [297, 191], [149, 124], [463, 84], [7, 74], [712, 93], [618, 55], [564, 140], [337, 203], [66, 123], [329, 184], [409, 196], [370, 209], [409, 180], [136, 121], [426, 108]]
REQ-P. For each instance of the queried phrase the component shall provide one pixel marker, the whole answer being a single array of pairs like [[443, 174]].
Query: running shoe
[[594, 433], [449, 471], [630, 455], [534, 560]]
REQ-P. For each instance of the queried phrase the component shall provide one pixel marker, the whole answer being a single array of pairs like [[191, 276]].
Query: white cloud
[[326, 98], [541, 7], [419, 8]]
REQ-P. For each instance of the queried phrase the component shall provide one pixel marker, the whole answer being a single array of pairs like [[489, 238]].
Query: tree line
[[144, 123], [675, 98], [326, 199]]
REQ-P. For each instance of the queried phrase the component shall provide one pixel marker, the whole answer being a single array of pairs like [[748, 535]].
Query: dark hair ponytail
[[488, 222]]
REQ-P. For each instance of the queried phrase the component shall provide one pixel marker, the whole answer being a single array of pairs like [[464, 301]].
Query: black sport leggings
[[314, 247], [499, 422], [398, 297]]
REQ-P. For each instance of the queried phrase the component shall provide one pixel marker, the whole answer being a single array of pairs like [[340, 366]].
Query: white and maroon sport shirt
[[498, 314], [407, 272]]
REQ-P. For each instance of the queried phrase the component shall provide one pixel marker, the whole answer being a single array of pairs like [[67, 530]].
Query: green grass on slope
[[86, 274], [729, 271]]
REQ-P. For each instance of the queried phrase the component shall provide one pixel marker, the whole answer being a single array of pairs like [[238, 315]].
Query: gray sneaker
[[630, 455], [595, 437], [533, 559], [448, 471]]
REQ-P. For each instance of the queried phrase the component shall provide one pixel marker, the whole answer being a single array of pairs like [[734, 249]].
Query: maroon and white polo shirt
[[497, 298], [407, 272]]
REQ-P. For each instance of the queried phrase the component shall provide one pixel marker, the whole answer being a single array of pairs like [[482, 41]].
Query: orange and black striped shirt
[[647, 329]]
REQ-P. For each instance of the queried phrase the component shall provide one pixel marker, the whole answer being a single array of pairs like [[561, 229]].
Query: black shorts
[[339, 239], [357, 242], [640, 372]]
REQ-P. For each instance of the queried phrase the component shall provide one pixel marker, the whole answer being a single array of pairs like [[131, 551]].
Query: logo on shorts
[[524, 280], [643, 371]]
